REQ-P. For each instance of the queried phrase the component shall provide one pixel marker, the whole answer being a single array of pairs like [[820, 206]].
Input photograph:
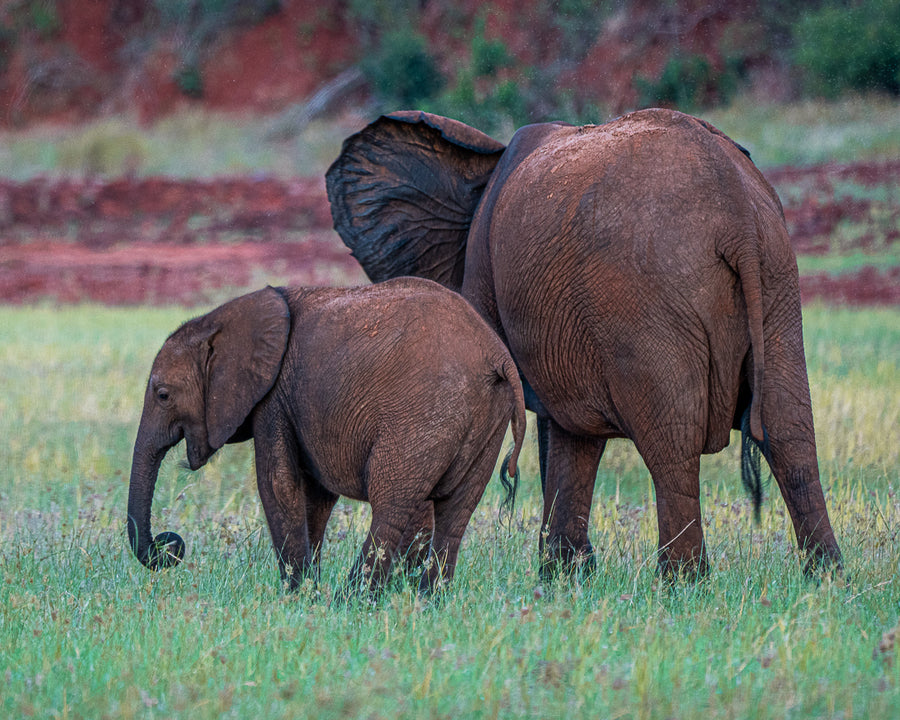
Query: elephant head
[[204, 384]]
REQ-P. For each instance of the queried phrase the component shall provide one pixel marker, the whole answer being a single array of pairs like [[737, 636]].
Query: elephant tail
[[747, 266], [509, 469], [755, 439]]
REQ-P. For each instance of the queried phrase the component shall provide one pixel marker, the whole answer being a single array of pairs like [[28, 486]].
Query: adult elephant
[[642, 276]]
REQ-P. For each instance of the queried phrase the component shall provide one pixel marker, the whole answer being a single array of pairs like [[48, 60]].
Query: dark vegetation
[[493, 64]]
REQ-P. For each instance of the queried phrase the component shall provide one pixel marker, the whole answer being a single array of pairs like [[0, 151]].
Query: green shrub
[[579, 22], [200, 22], [214, 13], [7, 43], [189, 80], [44, 17], [402, 70], [855, 47], [488, 55], [686, 81], [493, 107], [489, 87]]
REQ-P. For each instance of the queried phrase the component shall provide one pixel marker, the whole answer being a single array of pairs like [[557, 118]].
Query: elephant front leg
[[571, 470], [281, 491]]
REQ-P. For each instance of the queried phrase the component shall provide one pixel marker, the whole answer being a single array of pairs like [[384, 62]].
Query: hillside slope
[[68, 60]]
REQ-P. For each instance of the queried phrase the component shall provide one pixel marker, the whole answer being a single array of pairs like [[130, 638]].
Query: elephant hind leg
[[791, 451], [399, 479], [682, 551], [451, 515], [372, 569], [415, 544], [571, 463], [463, 484], [797, 474]]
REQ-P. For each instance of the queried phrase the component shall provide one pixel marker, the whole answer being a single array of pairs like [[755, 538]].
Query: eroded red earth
[[163, 241]]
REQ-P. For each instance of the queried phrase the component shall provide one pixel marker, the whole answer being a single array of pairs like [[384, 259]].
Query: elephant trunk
[[166, 549]]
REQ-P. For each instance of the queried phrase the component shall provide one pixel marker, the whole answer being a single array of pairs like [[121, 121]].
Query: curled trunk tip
[[164, 551]]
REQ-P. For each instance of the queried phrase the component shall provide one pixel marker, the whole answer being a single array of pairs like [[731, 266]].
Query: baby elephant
[[397, 393]]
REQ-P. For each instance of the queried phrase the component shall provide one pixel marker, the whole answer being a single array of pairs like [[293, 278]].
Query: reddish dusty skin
[[642, 275]]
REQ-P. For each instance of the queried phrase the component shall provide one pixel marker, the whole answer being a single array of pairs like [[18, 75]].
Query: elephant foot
[[431, 587], [299, 581], [345, 596], [415, 558], [823, 561], [690, 569], [563, 560]]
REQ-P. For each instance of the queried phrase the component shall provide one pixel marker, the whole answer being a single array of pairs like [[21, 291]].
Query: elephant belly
[[614, 355]]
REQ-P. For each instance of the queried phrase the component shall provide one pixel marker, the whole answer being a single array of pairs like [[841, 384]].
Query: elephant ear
[[403, 193], [247, 343]]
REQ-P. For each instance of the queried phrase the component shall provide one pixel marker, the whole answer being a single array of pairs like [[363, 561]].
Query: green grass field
[[806, 132], [86, 632]]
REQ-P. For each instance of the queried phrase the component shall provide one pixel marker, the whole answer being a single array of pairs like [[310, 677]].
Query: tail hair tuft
[[510, 485], [751, 474]]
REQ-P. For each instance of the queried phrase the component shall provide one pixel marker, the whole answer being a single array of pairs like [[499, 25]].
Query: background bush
[[485, 90], [688, 81], [402, 71], [498, 67], [198, 23], [855, 46], [833, 47]]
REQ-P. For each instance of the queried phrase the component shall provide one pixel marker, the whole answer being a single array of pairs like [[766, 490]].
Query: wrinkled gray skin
[[642, 276], [397, 394]]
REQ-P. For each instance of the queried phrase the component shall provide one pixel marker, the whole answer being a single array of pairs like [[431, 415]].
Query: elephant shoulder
[[664, 118], [523, 145], [526, 140]]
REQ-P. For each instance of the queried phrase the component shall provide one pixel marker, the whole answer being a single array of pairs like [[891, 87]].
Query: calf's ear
[[248, 338]]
